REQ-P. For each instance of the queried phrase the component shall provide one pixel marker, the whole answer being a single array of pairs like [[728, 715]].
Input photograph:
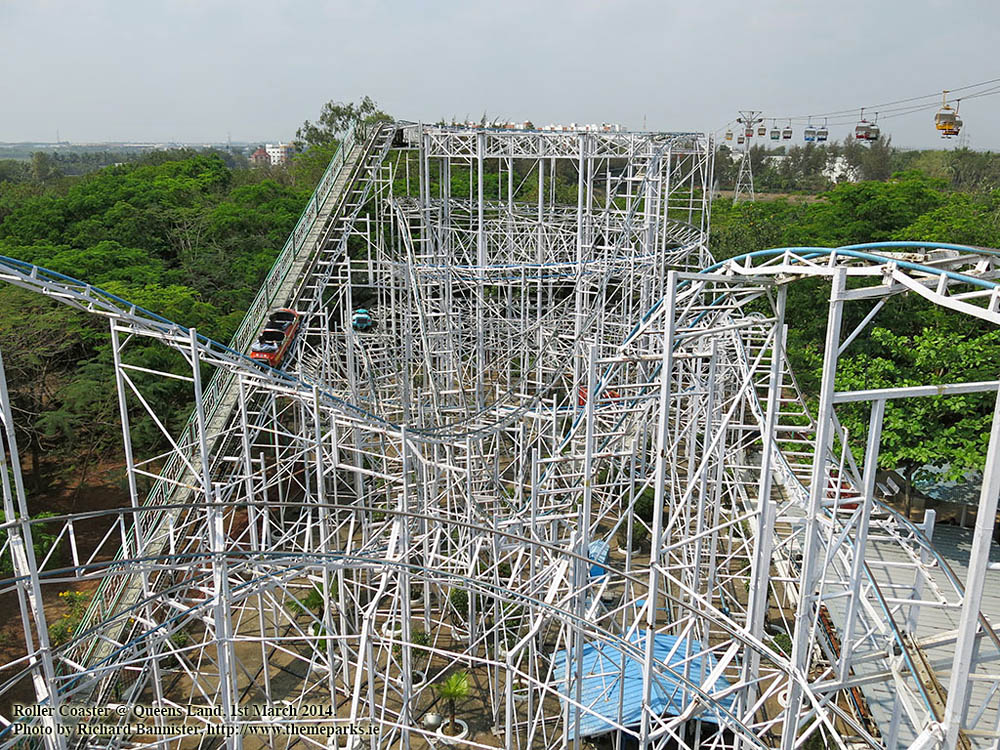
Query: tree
[[949, 434], [43, 167], [454, 689], [337, 118], [43, 540], [42, 343]]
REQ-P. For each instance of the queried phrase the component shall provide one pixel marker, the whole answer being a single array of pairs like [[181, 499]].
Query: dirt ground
[[103, 491]]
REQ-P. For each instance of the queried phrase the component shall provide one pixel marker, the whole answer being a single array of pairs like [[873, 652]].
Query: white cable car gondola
[[741, 139], [775, 133], [873, 130], [809, 134], [762, 131], [947, 121], [822, 133], [786, 134], [748, 132]]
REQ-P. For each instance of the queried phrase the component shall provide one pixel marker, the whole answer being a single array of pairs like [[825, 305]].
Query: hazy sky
[[195, 70]]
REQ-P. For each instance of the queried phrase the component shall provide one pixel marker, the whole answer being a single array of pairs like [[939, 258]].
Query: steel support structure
[[569, 459]]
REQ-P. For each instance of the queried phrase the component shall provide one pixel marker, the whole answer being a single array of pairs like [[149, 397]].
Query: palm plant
[[455, 688]]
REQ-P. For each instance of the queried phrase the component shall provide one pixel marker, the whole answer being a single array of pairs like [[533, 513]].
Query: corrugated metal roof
[[888, 562], [606, 682]]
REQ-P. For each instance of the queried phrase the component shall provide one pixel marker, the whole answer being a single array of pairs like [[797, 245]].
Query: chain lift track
[[570, 459]]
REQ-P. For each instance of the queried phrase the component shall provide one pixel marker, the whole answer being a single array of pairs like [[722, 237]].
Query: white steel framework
[[569, 460]]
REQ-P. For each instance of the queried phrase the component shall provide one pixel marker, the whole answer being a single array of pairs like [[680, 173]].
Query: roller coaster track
[[317, 240], [689, 354]]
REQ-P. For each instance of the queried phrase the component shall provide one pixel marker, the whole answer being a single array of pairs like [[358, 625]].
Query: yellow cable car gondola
[[729, 135], [947, 121]]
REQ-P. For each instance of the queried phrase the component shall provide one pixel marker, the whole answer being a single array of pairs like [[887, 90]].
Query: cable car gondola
[[866, 131], [775, 133], [741, 139], [729, 135], [947, 121], [748, 132], [822, 133], [762, 131], [809, 134], [786, 134]]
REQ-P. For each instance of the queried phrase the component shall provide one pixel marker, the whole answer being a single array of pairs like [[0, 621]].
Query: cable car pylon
[[748, 120]]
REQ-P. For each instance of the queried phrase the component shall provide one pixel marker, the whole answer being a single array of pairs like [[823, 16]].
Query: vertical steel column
[[325, 535], [217, 548], [481, 271], [663, 437], [253, 512], [959, 685], [582, 577], [404, 585], [138, 518], [803, 643], [29, 591], [578, 310], [861, 533], [760, 573], [930, 515]]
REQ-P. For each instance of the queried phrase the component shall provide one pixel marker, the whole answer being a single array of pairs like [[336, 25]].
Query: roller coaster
[[571, 463]]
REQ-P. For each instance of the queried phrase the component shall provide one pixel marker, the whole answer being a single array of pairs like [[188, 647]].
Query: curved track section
[[570, 461]]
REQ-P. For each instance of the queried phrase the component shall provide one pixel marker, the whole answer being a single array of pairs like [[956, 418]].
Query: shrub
[[459, 599]]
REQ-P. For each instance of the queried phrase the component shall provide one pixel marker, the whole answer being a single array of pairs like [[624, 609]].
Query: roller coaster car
[[362, 320], [276, 338], [610, 395]]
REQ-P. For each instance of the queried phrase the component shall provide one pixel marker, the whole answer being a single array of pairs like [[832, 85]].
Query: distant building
[[260, 158], [280, 153], [839, 169]]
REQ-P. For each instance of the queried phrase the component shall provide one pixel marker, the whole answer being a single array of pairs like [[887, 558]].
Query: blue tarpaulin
[[604, 681], [598, 552]]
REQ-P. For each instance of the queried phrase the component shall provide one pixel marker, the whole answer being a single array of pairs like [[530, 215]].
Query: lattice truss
[[569, 460]]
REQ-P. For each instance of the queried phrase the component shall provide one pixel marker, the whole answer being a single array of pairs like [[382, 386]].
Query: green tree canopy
[[336, 118]]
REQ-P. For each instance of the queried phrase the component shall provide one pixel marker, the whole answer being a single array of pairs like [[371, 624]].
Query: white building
[[279, 153]]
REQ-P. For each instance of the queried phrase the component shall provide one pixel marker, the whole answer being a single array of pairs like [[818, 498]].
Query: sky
[[202, 70]]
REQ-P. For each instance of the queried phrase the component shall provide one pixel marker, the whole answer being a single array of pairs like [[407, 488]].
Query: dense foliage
[[910, 342], [814, 167], [179, 233]]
